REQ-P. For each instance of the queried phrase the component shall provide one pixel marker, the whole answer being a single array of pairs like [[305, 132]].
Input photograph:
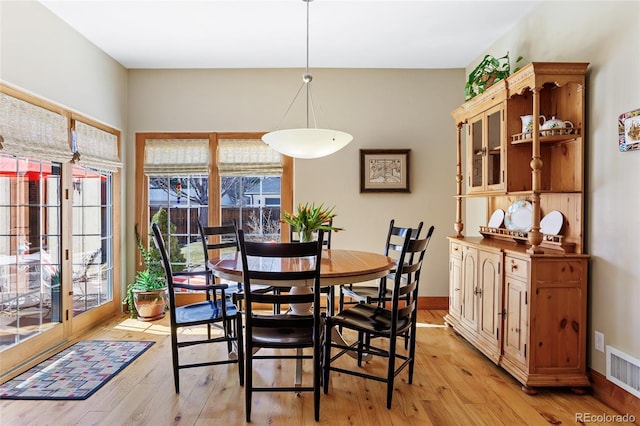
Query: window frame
[[215, 211]]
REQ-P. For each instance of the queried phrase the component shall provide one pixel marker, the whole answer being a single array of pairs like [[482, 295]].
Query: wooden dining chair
[[221, 240], [282, 332], [217, 310], [388, 323], [379, 293]]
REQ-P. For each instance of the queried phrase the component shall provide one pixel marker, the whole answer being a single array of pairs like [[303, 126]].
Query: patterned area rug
[[76, 372]]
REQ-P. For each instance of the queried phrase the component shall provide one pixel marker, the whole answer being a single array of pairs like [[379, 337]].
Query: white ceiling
[[272, 33]]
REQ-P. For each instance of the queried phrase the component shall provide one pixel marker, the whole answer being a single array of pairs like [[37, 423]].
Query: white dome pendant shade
[[307, 142]]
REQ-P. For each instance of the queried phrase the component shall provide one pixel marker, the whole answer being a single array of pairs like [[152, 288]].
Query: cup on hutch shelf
[[527, 122]]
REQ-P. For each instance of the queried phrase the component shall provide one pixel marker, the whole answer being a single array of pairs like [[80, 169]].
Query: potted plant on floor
[[146, 296]]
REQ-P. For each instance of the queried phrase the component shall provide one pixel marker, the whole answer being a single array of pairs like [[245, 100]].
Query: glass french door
[[39, 288], [30, 248]]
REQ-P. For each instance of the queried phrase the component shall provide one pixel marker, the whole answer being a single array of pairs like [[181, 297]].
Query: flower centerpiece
[[311, 218]]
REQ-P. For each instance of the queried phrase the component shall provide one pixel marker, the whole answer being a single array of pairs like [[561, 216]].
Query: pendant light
[[309, 142]]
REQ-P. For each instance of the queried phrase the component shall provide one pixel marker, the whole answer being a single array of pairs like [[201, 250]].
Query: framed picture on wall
[[629, 131], [384, 170]]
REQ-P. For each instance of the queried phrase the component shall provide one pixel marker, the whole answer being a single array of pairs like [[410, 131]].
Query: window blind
[[95, 148], [243, 157], [176, 156], [30, 131]]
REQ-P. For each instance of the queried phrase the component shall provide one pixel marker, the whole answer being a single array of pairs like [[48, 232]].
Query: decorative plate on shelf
[[551, 224], [518, 216], [496, 219]]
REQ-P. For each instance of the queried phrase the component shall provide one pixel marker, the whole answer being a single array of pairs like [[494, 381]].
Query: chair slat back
[[158, 241], [264, 263], [407, 278], [223, 237], [395, 238]]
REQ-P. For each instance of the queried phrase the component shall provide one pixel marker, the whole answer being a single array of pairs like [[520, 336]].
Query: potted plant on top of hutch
[[518, 292]]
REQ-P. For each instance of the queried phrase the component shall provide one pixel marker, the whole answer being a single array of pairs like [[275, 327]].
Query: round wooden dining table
[[338, 266]]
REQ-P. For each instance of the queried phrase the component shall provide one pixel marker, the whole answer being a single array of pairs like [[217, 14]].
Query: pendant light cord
[[307, 77], [306, 81]]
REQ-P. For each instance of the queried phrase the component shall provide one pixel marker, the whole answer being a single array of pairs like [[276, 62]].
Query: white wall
[[380, 108], [41, 54], [607, 35]]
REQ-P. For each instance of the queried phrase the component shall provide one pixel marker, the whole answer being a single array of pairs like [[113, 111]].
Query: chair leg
[[391, 367], [361, 337], [317, 371], [326, 364], [340, 304], [240, 344], [331, 300], [227, 329], [249, 384], [412, 352], [174, 355]]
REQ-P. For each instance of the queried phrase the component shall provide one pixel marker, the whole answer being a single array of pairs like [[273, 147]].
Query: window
[[244, 199], [95, 161], [179, 202], [250, 174], [92, 238], [214, 178]]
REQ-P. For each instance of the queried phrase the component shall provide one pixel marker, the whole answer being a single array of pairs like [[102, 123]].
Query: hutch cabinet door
[[516, 333], [476, 154], [469, 317], [455, 281], [558, 316], [489, 294], [494, 168], [485, 152], [516, 311]]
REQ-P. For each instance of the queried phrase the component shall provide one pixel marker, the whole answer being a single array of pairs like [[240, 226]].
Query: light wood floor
[[453, 385]]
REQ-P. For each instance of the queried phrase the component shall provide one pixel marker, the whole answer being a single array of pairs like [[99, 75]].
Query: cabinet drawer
[[515, 267], [456, 250], [560, 271]]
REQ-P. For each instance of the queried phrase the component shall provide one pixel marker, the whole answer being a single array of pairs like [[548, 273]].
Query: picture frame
[[629, 131], [384, 170]]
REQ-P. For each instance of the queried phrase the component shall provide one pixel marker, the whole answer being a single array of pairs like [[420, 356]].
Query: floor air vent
[[623, 370]]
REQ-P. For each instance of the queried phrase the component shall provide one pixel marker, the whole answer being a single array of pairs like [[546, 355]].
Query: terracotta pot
[[150, 304]]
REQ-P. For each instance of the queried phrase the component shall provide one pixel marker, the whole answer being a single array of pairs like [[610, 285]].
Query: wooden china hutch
[[517, 294]]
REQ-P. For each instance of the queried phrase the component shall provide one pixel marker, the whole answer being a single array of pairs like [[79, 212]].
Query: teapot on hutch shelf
[[555, 123], [527, 122]]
